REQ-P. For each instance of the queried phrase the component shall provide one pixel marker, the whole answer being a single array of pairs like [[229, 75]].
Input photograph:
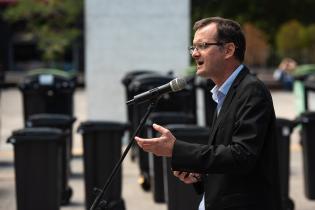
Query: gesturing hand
[[186, 177], [160, 146]]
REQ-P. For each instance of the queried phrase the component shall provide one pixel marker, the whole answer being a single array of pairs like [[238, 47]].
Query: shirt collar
[[219, 93]]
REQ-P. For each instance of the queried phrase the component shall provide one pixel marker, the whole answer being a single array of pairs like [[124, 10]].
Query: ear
[[229, 49]]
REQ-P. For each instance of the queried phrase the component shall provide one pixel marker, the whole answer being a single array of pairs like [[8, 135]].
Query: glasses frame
[[203, 46]]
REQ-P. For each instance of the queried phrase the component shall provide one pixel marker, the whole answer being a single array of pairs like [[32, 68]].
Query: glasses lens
[[191, 49], [203, 46]]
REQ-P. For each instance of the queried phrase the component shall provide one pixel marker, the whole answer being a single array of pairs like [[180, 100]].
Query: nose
[[195, 53]]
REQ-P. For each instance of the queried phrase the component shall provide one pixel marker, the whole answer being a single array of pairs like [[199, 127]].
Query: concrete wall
[[125, 35]]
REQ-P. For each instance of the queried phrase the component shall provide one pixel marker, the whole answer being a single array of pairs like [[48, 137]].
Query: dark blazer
[[239, 164]]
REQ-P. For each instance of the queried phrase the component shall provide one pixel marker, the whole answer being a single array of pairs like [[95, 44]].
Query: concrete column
[[125, 35]]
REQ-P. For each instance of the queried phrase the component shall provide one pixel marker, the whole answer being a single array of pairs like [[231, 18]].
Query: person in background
[[284, 72], [238, 168]]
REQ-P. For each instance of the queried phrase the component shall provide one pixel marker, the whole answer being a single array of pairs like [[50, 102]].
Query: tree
[[266, 15], [297, 41], [257, 47], [289, 39], [52, 23]]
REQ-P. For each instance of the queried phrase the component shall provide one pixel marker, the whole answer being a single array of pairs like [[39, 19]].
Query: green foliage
[[267, 15], [51, 22], [297, 41], [289, 39]]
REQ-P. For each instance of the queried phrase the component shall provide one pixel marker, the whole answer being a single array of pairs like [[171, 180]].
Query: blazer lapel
[[226, 104]]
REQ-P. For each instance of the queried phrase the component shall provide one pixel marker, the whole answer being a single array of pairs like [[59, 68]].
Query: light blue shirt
[[218, 95]]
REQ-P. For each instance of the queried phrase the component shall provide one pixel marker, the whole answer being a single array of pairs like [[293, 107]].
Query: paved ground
[[134, 196]]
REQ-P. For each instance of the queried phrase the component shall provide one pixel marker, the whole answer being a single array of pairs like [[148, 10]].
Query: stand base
[[66, 195], [112, 205]]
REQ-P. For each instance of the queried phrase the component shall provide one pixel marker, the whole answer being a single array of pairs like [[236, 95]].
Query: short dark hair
[[228, 31]]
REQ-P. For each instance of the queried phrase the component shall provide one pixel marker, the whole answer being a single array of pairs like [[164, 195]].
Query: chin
[[200, 72]]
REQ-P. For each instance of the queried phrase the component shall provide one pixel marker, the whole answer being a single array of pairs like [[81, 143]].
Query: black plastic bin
[[63, 122], [127, 79], [307, 119], [284, 130], [48, 91], [102, 149], [155, 162], [37, 160], [182, 101], [178, 194], [309, 87]]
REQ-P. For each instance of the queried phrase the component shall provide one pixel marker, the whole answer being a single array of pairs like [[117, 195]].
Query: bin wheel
[[66, 195], [144, 181], [290, 205]]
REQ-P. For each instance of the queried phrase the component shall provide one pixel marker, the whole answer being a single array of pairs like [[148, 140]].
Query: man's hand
[[186, 177], [161, 146]]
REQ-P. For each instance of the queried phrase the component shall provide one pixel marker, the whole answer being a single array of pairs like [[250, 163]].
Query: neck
[[226, 73]]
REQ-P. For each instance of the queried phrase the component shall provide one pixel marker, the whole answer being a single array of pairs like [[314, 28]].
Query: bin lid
[[286, 126], [307, 117], [35, 134], [56, 72], [148, 81], [48, 79], [282, 122], [132, 74], [91, 126], [50, 120], [310, 83], [164, 118]]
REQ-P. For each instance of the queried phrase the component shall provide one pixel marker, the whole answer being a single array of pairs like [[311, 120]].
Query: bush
[[296, 41]]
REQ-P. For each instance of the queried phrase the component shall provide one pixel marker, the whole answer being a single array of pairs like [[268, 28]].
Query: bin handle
[[11, 140]]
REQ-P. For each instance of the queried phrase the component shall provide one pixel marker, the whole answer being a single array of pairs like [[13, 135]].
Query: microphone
[[173, 86]]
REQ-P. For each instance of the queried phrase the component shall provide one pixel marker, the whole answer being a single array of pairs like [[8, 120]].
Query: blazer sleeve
[[245, 141]]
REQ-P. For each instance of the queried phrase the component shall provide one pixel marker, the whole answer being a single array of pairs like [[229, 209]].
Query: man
[[238, 169]]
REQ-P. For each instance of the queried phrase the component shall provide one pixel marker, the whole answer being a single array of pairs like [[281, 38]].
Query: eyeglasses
[[202, 46]]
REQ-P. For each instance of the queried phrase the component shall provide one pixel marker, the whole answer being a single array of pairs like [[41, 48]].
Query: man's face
[[209, 60]]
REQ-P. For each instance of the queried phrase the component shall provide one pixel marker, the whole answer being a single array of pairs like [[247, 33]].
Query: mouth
[[199, 63]]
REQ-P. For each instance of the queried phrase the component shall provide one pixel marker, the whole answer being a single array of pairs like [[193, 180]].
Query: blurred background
[[53, 33], [67, 67]]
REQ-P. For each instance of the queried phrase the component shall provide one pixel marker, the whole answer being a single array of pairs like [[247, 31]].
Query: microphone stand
[[99, 203]]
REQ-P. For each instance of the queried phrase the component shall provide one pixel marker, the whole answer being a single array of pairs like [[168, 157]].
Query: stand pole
[[100, 204]]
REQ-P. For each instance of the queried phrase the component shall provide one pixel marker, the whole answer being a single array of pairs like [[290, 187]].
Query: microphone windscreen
[[178, 84]]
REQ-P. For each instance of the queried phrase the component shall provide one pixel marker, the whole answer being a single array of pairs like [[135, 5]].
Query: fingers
[[148, 142], [176, 173], [151, 141], [160, 129], [160, 146], [139, 141], [186, 177]]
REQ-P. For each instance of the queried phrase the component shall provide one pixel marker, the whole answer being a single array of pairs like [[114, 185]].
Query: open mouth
[[199, 63]]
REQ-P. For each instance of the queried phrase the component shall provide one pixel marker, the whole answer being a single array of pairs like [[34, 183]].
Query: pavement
[[135, 198]]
